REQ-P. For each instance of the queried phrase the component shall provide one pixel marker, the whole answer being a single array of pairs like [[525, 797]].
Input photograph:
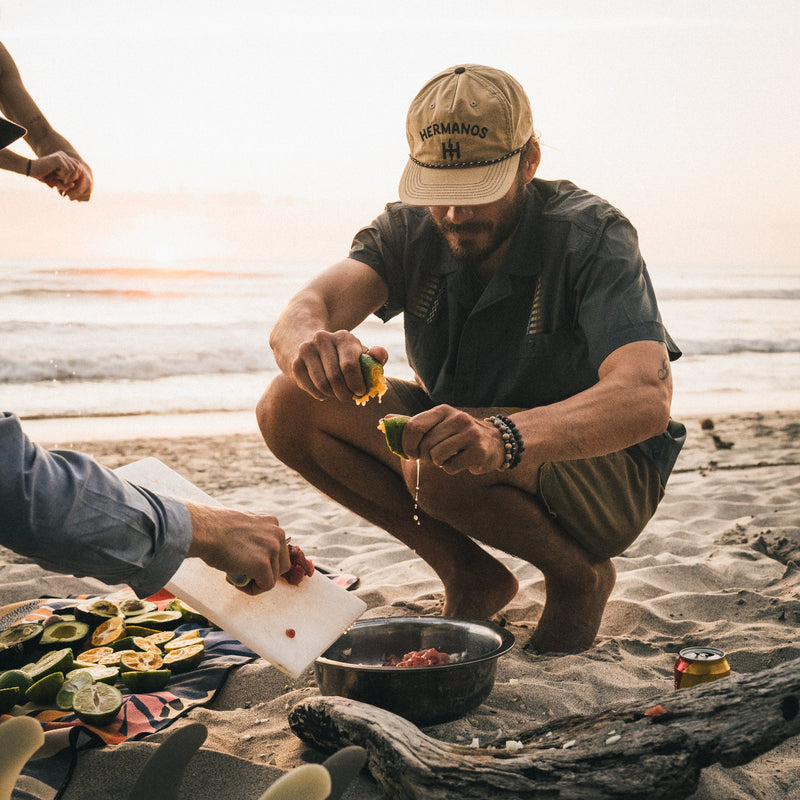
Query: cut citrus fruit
[[143, 643], [160, 638], [108, 632], [372, 372], [70, 687], [97, 704], [115, 658], [185, 658], [54, 661], [142, 662], [184, 640], [151, 680], [95, 654], [138, 630], [43, 692], [15, 679], [99, 673], [392, 426]]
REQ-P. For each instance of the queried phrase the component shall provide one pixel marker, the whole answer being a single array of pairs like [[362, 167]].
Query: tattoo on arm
[[663, 373]]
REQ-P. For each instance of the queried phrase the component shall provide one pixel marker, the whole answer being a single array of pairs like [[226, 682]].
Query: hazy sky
[[272, 131]]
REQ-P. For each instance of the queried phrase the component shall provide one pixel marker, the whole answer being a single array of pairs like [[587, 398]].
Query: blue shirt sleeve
[[70, 514]]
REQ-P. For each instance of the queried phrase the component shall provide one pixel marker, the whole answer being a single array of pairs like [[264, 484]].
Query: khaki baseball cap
[[9, 132], [466, 128]]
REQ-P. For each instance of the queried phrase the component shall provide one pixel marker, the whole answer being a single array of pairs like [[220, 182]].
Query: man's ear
[[532, 156]]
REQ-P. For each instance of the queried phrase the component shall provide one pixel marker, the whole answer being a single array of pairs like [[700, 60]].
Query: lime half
[[97, 704], [153, 680], [71, 687], [44, 691]]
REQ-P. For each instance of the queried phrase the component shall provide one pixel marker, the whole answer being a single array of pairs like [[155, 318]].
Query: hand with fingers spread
[[454, 440]]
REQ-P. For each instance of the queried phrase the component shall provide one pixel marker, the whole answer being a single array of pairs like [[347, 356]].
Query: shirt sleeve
[[617, 304], [71, 515]]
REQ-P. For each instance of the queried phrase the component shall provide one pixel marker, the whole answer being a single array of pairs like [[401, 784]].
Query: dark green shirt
[[573, 289]]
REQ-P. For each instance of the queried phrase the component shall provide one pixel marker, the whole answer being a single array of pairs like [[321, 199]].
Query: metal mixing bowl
[[353, 666]]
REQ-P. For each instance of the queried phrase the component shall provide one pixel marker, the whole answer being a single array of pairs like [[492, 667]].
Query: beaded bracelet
[[512, 440]]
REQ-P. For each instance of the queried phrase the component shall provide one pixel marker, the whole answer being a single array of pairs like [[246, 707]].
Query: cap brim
[[457, 186], [9, 132]]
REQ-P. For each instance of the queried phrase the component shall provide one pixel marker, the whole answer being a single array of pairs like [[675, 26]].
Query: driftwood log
[[620, 752]]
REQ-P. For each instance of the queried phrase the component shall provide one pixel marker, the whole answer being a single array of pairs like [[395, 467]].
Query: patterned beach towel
[[141, 714]]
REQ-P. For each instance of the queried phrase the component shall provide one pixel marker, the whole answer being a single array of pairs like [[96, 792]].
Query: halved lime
[[94, 655], [114, 658], [55, 661], [97, 704], [151, 680], [184, 640], [161, 638], [144, 661], [99, 673], [372, 372], [43, 692], [71, 687], [15, 679], [185, 658], [392, 426], [108, 632]]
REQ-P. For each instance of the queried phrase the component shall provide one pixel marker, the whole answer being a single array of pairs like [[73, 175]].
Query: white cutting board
[[318, 610]]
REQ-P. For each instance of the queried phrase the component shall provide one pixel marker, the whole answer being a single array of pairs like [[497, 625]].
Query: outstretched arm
[[58, 163], [70, 514], [312, 339]]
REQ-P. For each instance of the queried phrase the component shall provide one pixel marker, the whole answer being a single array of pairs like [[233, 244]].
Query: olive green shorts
[[603, 503]]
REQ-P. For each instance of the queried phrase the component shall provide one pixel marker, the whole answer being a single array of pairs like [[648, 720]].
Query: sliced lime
[[97, 704], [17, 679], [392, 426], [69, 688], [99, 673], [184, 658], [43, 692], [151, 680], [55, 661]]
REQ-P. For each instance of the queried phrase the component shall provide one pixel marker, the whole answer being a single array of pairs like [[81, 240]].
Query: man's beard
[[469, 252]]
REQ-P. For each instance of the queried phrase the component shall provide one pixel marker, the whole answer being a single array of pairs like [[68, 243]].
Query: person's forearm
[[72, 515], [302, 318], [13, 162], [626, 406]]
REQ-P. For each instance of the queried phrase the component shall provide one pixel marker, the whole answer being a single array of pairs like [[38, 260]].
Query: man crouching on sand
[[541, 409]]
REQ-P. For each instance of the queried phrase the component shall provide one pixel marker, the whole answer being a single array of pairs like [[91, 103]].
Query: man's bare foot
[[480, 595], [572, 613]]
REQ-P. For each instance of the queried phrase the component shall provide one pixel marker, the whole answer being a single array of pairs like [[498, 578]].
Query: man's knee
[[275, 411]]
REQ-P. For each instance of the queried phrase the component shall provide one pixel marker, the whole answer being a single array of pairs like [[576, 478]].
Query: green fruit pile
[[72, 662]]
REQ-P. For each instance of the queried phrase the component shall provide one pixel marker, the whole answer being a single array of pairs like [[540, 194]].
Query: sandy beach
[[718, 565]]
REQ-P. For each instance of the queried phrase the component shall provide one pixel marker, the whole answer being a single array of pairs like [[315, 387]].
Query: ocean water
[[80, 339]]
